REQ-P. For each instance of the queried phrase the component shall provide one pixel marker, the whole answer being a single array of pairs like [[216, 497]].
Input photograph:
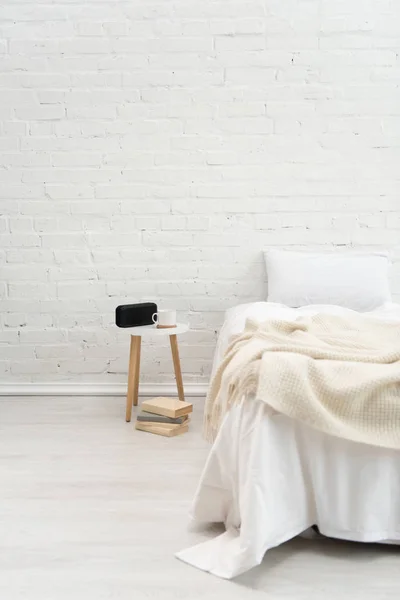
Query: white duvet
[[269, 478]]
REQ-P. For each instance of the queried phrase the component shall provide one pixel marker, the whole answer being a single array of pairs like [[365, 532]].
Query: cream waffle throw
[[338, 374]]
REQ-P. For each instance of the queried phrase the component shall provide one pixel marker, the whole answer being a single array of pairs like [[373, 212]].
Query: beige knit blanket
[[340, 375]]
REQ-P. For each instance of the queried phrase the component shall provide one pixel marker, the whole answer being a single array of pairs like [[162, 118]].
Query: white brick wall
[[151, 149]]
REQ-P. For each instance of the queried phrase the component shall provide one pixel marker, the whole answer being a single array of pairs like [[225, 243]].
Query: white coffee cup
[[165, 318]]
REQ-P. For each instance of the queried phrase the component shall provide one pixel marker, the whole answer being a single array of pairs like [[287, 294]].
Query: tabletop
[[152, 330]]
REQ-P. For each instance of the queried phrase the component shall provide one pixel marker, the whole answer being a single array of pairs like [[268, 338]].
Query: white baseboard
[[97, 389]]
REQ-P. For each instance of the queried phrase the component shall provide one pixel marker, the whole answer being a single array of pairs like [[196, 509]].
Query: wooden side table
[[149, 331]]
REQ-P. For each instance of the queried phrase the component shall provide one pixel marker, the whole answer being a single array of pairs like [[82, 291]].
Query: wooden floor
[[91, 509]]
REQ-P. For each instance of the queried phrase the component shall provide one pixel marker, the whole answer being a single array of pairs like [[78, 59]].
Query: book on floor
[[167, 429], [166, 426], [168, 407], [153, 418]]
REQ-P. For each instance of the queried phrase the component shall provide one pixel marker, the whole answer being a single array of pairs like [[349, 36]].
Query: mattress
[[269, 478]]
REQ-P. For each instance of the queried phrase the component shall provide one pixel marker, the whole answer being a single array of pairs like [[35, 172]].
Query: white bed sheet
[[269, 478]]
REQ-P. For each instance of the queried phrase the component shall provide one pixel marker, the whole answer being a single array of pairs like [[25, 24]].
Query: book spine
[[160, 430], [165, 412], [160, 419]]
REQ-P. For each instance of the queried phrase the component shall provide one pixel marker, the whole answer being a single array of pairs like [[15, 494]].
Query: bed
[[269, 478]]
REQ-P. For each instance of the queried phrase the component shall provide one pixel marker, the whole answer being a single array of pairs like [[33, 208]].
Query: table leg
[[133, 376], [137, 372], [177, 366]]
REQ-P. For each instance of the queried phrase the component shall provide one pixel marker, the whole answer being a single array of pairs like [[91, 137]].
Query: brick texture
[[151, 149]]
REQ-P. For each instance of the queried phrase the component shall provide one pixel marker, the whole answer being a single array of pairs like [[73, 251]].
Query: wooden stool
[[136, 334]]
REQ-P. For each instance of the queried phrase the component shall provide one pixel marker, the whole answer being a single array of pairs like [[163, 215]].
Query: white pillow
[[353, 280]]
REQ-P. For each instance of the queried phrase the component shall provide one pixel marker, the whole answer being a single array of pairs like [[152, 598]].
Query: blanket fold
[[338, 374]]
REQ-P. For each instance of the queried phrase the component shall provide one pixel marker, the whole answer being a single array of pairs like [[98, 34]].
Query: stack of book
[[164, 416]]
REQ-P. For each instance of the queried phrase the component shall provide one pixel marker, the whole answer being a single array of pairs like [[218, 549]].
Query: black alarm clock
[[135, 315]]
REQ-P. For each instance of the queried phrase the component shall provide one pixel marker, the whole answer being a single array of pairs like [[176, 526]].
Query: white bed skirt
[[269, 479]]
